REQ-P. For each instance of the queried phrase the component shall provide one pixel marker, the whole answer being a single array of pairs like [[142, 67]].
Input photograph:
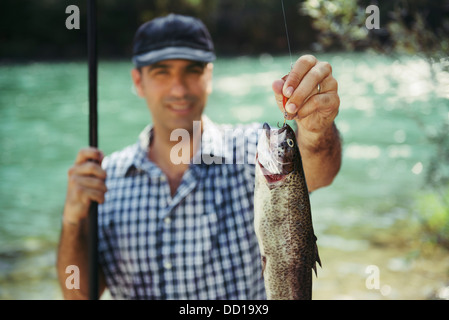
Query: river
[[366, 223]]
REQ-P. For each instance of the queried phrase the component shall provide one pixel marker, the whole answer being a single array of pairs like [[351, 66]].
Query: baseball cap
[[172, 37]]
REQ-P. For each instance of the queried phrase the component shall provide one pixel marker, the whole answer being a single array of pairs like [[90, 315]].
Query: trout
[[282, 217]]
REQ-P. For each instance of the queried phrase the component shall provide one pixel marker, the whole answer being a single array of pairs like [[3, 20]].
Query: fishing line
[[284, 100], [286, 33]]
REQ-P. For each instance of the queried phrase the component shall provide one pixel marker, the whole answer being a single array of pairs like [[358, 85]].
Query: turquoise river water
[[364, 221]]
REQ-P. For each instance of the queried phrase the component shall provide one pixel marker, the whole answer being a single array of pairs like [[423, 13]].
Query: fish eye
[[290, 143]]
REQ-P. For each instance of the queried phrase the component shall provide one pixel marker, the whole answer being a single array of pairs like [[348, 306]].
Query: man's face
[[176, 91]]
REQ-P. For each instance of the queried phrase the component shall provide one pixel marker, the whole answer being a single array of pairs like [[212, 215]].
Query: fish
[[283, 218]]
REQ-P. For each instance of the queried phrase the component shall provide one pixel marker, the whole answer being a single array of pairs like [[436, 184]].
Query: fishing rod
[[93, 142]]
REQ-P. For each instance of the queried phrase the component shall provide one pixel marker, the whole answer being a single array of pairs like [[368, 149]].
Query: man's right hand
[[86, 183]]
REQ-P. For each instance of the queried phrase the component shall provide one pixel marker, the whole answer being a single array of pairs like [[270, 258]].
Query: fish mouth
[[272, 178]]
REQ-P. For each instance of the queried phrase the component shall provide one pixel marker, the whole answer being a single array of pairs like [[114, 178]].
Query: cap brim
[[186, 53]]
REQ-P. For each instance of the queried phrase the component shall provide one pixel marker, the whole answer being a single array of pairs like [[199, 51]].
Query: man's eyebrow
[[158, 65]]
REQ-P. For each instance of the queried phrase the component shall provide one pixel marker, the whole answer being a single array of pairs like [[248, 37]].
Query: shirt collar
[[212, 149]]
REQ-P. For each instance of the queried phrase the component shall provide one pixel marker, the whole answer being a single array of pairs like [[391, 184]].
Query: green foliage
[[412, 27], [433, 210], [415, 36], [32, 29], [341, 23], [437, 175], [406, 26]]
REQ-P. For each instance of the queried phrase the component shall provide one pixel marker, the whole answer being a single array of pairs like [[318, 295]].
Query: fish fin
[[317, 259], [264, 263]]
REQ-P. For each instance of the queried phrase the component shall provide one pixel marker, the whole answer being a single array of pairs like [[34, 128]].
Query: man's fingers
[[302, 66], [87, 195], [309, 86], [86, 183], [86, 189], [93, 195], [277, 89], [89, 153], [325, 103], [87, 178], [329, 84], [90, 183], [89, 168]]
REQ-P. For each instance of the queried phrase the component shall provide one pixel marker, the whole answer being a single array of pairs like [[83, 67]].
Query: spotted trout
[[283, 220]]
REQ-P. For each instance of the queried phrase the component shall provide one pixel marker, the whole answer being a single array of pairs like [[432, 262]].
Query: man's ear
[[136, 75], [209, 69]]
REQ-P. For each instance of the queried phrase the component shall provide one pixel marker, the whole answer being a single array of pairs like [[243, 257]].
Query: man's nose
[[178, 86]]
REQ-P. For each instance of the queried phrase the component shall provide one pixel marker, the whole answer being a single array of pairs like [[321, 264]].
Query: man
[[170, 230]]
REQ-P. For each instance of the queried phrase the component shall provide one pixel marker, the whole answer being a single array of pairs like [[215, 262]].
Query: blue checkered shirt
[[198, 244]]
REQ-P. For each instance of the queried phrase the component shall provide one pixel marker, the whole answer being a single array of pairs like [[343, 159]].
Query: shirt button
[[167, 220], [163, 178], [167, 265]]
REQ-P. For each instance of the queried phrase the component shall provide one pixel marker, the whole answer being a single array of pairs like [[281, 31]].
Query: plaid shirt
[[198, 244]]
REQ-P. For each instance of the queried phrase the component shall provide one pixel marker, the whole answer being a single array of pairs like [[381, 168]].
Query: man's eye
[[161, 72], [195, 70]]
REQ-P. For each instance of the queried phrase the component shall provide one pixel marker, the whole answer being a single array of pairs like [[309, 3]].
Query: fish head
[[277, 153]]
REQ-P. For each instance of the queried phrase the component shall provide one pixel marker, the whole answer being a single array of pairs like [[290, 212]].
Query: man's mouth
[[183, 105], [180, 106]]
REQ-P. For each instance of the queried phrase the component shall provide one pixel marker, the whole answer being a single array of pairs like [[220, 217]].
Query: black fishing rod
[[93, 142]]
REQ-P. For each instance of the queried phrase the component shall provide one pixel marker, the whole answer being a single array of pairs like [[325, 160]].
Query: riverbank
[[403, 267]]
